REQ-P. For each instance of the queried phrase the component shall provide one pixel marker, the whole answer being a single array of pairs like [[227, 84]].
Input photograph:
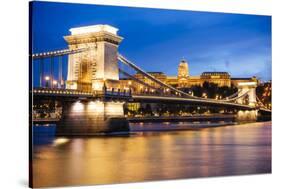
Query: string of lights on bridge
[[228, 100], [59, 52]]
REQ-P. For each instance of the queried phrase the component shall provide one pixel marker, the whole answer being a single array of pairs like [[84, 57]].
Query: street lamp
[[204, 95], [47, 78], [55, 83], [129, 83], [61, 83], [217, 96]]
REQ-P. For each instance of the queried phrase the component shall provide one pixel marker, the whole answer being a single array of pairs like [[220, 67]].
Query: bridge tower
[[250, 88], [91, 70], [97, 66]]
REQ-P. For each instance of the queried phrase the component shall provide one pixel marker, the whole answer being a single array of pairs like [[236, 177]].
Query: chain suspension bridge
[[90, 91]]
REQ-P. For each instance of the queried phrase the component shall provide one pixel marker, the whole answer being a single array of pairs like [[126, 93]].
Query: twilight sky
[[157, 39]]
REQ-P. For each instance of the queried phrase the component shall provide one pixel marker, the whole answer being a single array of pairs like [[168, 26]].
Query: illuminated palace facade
[[183, 79]]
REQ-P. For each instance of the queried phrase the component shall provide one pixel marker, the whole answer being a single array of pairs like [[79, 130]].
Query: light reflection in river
[[232, 150]]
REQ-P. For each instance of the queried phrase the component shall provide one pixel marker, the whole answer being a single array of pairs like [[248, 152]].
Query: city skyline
[[158, 39]]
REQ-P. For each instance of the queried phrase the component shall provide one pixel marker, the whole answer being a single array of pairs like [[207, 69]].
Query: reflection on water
[[232, 150]]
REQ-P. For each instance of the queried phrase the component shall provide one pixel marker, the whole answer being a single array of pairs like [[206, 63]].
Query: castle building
[[184, 79], [219, 78]]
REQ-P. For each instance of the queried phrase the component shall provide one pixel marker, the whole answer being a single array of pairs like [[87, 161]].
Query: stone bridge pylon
[[250, 89], [90, 69]]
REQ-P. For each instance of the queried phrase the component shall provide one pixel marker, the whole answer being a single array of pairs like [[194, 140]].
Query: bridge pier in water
[[247, 115], [91, 117]]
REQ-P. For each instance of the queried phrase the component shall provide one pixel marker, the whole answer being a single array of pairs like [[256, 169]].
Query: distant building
[[183, 71], [184, 80], [219, 78]]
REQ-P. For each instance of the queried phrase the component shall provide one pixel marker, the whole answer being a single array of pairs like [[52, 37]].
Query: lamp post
[[47, 79], [61, 84], [204, 95], [55, 83], [167, 91]]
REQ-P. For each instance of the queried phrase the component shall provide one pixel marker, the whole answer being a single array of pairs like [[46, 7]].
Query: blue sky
[[157, 39]]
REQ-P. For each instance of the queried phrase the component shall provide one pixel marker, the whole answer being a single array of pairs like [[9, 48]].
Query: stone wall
[[91, 117]]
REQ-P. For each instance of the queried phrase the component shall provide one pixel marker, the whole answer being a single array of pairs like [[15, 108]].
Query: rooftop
[[93, 29]]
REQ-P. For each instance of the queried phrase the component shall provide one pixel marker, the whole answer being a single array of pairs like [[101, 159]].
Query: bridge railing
[[113, 92], [94, 93], [157, 94]]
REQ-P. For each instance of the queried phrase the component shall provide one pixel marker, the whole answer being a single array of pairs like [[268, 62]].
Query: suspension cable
[[129, 63], [137, 80]]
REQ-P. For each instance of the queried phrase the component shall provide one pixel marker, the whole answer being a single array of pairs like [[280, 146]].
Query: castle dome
[[183, 69]]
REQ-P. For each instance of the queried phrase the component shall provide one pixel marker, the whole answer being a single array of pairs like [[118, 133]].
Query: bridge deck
[[207, 102], [68, 93]]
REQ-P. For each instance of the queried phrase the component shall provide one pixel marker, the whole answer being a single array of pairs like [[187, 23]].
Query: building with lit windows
[[184, 79]]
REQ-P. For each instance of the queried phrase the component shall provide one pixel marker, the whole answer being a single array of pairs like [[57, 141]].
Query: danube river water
[[145, 156]]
